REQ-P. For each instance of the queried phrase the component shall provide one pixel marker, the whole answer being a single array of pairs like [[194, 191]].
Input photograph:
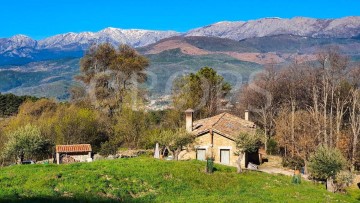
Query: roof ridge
[[218, 119]]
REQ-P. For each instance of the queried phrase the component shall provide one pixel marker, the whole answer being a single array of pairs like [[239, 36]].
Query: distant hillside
[[53, 78], [41, 79], [46, 67], [175, 62], [261, 50], [10, 103]]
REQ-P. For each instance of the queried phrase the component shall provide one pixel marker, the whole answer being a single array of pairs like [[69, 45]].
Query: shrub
[[343, 179], [294, 162], [27, 142], [326, 162], [108, 148], [272, 147]]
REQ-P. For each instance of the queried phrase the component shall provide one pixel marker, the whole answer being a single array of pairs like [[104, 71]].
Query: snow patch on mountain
[[24, 47], [115, 36], [16, 42], [308, 27]]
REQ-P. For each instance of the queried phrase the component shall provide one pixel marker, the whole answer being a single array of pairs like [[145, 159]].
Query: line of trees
[[10, 103], [306, 105]]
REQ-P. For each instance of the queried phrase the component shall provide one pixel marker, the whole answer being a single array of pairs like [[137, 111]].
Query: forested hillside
[[10, 103]]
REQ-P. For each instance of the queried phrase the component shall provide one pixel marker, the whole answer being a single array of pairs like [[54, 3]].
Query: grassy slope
[[145, 179]]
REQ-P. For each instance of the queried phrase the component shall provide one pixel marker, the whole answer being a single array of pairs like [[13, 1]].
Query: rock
[[98, 157], [252, 166]]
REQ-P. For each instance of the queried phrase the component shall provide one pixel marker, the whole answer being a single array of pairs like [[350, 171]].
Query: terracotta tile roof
[[226, 124], [73, 148]]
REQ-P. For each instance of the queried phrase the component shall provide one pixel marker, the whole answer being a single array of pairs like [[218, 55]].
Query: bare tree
[[355, 123], [333, 67]]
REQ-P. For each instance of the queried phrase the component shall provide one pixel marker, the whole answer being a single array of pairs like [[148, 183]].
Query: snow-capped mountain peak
[[112, 35], [308, 27], [16, 42]]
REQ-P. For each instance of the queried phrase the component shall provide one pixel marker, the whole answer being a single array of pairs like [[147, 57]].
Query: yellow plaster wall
[[220, 142]]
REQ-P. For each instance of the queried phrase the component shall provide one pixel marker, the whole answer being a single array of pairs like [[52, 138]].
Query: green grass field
[[149, 180]]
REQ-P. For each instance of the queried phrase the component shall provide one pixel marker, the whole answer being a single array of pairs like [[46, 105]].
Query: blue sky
[[42, 18]]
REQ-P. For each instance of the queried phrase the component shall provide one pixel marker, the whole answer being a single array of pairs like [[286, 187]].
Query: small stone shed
[[76, 153], [216, 137]]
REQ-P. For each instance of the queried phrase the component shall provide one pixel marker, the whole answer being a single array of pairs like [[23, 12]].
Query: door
[[200, 154], [225, 156]]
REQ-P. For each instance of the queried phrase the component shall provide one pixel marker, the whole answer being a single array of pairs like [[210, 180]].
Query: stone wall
[[80, 158]]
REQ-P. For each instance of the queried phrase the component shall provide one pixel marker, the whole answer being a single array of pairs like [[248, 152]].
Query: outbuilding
[[73, 153]]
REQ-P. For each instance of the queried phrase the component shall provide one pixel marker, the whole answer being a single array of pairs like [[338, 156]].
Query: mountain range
[[40, 67], [347, 27]]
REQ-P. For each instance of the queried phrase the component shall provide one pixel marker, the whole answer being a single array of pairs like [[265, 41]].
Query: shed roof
[[226, 124], [73, 148]]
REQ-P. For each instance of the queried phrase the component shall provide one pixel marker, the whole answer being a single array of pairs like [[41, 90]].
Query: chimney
[[189, 120], [246, 115]]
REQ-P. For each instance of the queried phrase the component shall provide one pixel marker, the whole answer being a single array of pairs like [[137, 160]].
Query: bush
[[27, 142], [272, 147], [326, 162], [343, 179], [294, 162], [108, 148]]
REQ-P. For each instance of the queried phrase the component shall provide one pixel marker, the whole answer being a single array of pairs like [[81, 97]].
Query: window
[[200, 154], [225, 156]]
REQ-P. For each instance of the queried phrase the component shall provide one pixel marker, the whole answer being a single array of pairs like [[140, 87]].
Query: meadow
[[145, 179]]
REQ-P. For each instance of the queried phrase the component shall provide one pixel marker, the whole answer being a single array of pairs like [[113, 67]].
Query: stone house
[[73, 153], [216, 137]]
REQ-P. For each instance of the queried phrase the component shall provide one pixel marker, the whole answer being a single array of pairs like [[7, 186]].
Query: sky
[[42, 18]]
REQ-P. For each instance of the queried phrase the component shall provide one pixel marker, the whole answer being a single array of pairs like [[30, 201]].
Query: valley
[[46, 68]]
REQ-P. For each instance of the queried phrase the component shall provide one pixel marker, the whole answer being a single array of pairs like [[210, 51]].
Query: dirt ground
[[274, 166]]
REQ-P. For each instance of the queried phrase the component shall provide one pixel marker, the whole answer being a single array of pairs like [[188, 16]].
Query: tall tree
[[110, 73], [355, 124], [299, 141], [204, 91], [333, 69], [262, 97]]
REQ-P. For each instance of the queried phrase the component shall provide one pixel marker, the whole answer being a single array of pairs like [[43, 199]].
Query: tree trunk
[[339, 118], [325, 106], [355, 126], [293, 105], [176, 154], [331, 117], [265, 127], [238, 163], [330, 186], [316, 109]]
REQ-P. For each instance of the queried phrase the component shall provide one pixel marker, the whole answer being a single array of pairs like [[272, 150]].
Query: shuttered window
[[225, 156], [200, 154]]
